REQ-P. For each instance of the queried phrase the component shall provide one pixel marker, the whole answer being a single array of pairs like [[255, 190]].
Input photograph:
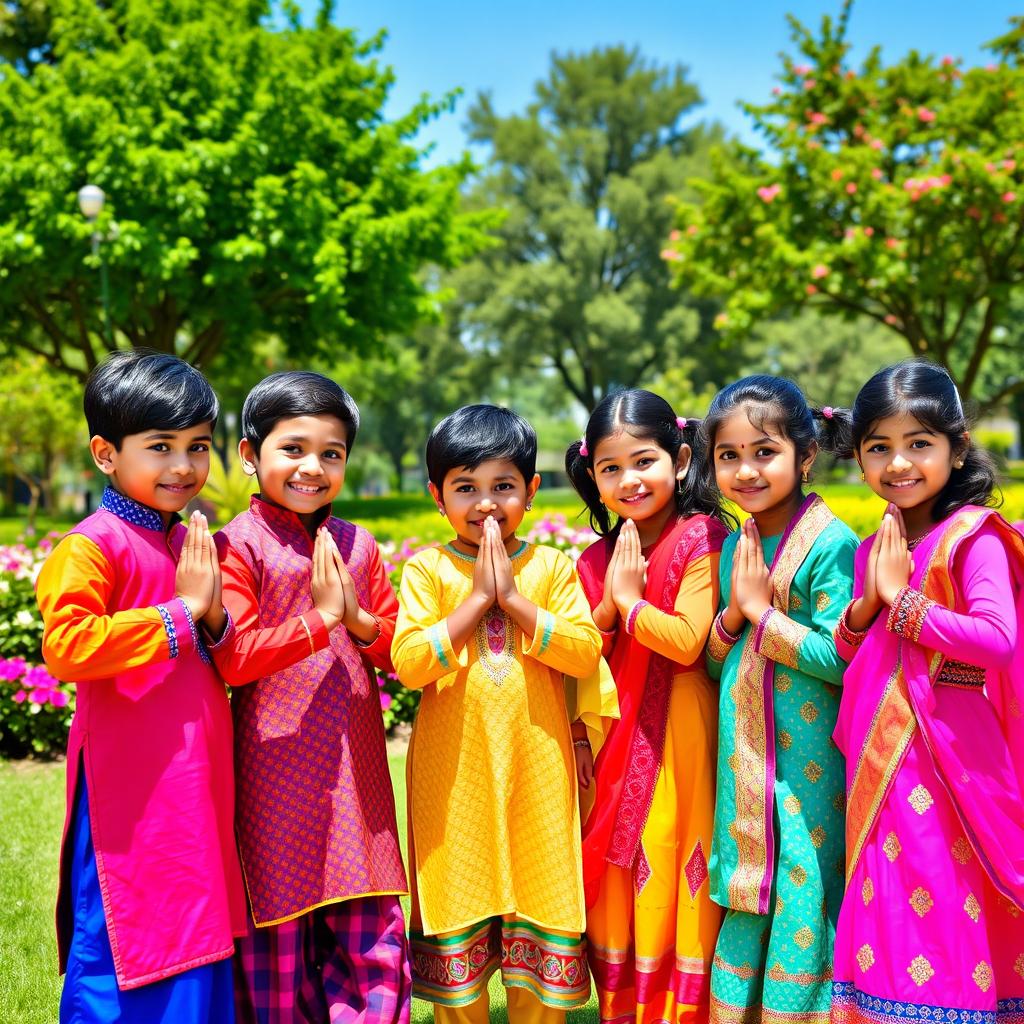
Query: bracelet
[[370, 643], [581, 743], [634, 612], [309, 635]]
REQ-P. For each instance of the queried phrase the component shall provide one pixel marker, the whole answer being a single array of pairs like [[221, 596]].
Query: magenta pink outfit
[[932, 926]]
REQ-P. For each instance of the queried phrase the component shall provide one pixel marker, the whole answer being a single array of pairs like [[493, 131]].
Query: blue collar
[[131, 511]]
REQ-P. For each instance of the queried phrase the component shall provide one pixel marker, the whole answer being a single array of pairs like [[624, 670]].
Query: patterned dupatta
[[747, 732], [628, 764], [975, 737]]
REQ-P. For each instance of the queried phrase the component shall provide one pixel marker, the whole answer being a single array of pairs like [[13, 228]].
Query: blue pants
[[203, 995]]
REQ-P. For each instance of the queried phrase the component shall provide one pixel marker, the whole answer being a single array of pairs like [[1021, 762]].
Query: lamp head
[[90, 201]]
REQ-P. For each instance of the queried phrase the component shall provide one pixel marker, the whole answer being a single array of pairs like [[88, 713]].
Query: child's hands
[[606, 614], [752, 584], [326, 585], [504, 581], [483, 569], [215, 618], [194, 580], [631, 572], [584, 764], [894, 564]]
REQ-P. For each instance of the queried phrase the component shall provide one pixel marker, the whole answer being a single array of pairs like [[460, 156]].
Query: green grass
[[31, 814]]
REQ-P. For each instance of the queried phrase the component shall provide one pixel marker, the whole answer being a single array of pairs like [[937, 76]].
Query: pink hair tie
[[827, 412], [681, 422], [583, 447]]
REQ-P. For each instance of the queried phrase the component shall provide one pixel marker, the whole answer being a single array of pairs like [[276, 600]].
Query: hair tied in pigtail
[[827, 412], [584, 451], [681, 422]]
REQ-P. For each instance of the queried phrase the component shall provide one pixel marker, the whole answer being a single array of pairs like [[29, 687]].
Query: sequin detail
[[907, 614], [131, 511], [172, 630]]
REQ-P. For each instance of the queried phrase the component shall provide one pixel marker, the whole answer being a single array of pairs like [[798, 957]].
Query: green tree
[[892, 192], [578, 283], [40, 424], [254, 186]]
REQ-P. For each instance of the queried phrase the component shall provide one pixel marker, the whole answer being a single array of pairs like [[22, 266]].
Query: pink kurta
[[316, 812], [152, 731]]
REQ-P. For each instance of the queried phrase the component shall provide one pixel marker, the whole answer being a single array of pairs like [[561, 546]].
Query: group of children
[[747, 774]]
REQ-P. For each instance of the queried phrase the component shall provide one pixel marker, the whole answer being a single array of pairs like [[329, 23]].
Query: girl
[[931, 723], [652, 584], [487, 627], [777, 854]]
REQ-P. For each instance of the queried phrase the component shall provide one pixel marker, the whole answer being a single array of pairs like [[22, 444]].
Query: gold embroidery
[[813, 771], [808, 711], [865, 957], [920, 970], [792, 804], [921, 900], [795, 603], [804, 937], [818, 837], [798, 876], [972, 907], [961, 850], [781, 639], [1019, 965], [920, 799], [778, 973], [744, 971], [892, 847], [839, 802], [780, 906], [496, 661], [785, 739], [823, 601], [867, 891], [783, 682], [983, 976], [1009, 906]]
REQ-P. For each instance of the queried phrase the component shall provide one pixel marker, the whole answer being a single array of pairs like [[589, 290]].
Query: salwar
[[523, 1008], [201, 995], [340, 964], [452, 969]]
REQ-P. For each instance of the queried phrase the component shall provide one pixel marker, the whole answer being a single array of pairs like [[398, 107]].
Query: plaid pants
[[346, 963]]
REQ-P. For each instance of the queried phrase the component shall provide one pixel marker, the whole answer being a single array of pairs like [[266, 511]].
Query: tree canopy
[[253, 184], [583, 175], [893, 192]]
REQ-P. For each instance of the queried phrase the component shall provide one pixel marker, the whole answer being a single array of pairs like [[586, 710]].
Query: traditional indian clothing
[[494, 848], [151, 894], [315, 809], [777, 855], [651, 924], [933, 923]]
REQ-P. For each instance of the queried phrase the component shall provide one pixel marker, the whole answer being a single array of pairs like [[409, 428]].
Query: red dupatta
[[628, 764]]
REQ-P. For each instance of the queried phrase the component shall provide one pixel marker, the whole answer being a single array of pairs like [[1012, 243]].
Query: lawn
[[31, 813]]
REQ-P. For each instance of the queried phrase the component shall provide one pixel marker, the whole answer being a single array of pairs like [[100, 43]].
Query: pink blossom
[[849, 234], [776, 91], [1009, 165], [385, 700], [59, 699], [692, 230], [877, 144], [816, 117], [12, 669], [990, 167], [892, 319], [947, 61], [766, 193], [809, 84], [801, 69], [20, 697], [37, 676], [991, 67], [851, 187], [892, 243], [812, 289], [671, 255], [869, 231], [1009, 197], [876, 173], [925, 115], [837, 173], [673, 235], [818, 271], [40, 695]]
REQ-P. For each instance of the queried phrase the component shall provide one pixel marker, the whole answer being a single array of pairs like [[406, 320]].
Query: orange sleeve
[[247, 652], [81, 639], [682, 635]]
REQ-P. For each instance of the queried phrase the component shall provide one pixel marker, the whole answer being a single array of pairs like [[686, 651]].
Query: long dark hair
[[925, 391], [647, 415]]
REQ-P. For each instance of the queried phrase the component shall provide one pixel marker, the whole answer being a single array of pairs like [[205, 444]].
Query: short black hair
[[138, 390], [290, 393], [478, 433]]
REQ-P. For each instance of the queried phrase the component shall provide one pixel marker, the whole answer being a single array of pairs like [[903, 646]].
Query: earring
[[959, 464], [863, 478], [440, 510], [804, 476], [529, 505]]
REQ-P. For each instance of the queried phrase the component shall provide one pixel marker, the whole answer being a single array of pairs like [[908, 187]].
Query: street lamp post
[[90, 201]]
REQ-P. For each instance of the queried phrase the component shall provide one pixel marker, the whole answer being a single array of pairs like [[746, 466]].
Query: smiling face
[[163, 469], [637, 479], [759, 469], [494, 488], [301, 463], [906, 463]]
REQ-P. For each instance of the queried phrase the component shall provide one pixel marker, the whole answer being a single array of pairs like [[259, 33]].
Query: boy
[[487, 627], [150, 896], [313, 611]]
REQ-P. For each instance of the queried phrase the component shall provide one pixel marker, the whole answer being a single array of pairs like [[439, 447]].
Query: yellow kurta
[[493, 815]]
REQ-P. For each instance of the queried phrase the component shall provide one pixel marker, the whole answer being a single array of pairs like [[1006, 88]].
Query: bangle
[[634, 612], [309, 635], [581, 743], [370, 643]]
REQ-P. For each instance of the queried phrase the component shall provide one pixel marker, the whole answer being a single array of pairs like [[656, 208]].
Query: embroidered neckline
[[285, 517], [472, 558], [495, 644], [132, 511]]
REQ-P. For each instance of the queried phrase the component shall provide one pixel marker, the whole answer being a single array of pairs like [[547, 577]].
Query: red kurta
[[315, 810]]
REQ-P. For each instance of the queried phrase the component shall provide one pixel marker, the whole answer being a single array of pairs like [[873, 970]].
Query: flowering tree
[[893, 192]]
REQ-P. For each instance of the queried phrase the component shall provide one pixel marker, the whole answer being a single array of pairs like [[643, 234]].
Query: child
[[488, 624], [150, 894], [312, 612], [652, 582], [930, 723], [777, 854]]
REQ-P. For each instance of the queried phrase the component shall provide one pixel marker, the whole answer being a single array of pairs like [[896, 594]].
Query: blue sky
[[730, 46]]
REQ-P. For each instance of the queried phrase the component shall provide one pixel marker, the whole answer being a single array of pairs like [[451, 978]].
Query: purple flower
[[20, 697]]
